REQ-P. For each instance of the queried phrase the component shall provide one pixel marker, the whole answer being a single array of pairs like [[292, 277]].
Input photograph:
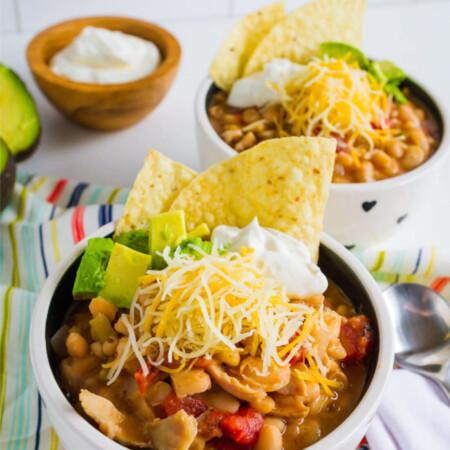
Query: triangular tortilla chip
[[229, 62], [300, 34], [156, 186], [284, 182]]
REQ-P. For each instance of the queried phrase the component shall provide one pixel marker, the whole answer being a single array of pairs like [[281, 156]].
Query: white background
[[413, 33]]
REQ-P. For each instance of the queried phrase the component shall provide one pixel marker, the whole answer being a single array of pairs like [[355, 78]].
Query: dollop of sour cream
[[102, 56], [277, 255], [258, 89]]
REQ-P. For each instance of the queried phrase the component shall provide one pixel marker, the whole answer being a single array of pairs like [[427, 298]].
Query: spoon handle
[[439, 378]]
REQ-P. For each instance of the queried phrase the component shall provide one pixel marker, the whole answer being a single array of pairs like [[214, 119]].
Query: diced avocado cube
[[124, 269], [101, 329], [90, 277], [135, 239], [200, 231], [339, 50], [166, 229]]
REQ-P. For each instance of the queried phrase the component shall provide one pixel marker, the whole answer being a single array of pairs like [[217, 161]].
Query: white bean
[[269, 438]]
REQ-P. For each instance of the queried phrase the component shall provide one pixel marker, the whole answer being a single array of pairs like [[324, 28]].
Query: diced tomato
[[299, 356], [377, 126], [202, 363], [244, 426], [341, 142], [209, 425], [356, 337], [225, 443], [144, 381], [191, 405]]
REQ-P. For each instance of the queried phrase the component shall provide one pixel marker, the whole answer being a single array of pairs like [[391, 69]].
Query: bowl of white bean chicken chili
[[389, 129], [213, 316]]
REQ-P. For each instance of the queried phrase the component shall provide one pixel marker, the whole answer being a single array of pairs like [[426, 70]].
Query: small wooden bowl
[[110, 106]]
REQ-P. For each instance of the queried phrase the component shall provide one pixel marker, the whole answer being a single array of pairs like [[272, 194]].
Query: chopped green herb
[[186, 247]]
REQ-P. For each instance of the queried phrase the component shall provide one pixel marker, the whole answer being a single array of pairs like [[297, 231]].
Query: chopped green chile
[[101, 329]]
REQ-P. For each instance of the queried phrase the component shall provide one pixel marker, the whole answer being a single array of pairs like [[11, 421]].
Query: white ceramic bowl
[[357, 214], [337, 262]]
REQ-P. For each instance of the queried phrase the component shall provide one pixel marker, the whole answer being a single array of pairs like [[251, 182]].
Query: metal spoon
[[422, 331]]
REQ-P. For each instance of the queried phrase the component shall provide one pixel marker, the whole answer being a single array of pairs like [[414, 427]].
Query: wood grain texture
[[103, 107]]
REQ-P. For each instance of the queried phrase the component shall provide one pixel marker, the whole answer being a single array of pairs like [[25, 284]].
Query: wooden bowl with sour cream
[[103, 106]]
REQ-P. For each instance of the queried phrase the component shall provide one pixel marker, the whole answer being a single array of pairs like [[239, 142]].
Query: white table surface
[[415, 36]]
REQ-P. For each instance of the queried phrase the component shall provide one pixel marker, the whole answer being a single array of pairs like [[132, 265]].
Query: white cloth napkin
[[414, 415]]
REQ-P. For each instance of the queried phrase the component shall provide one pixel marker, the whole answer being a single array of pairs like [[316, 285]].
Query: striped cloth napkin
[[44, 220]]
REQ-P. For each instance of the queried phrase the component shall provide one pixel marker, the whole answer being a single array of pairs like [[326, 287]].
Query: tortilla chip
[[229, 62], [300, 34], [156, 186], [284, 182]]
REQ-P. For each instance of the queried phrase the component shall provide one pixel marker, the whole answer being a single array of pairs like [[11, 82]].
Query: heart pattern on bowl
[[367, 206]]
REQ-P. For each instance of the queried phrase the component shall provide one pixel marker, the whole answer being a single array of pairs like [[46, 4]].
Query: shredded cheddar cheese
[[337, 99], [197, 308]]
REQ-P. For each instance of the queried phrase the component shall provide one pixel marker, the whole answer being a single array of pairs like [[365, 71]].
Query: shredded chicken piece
[[289, 406], [294, 387], [233, 385], [277, 377], [108, 417], [333, 321], [176, 432]]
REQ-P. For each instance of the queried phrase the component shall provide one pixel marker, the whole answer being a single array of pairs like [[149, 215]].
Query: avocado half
[[20, 127], [7, 175]]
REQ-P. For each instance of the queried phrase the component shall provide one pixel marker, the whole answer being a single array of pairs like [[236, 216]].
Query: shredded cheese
[[325, 383], [197, 308], [337, 99]]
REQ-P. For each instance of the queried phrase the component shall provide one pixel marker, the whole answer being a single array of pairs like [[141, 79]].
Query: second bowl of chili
[[371, 198]]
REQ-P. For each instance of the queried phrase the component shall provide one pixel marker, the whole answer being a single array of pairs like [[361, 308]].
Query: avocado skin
[[7, 177], [27, 152], [90, 277]]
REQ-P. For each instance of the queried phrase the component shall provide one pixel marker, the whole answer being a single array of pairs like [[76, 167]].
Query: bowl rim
[[67, 417], [40, 68], [435, 159]]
